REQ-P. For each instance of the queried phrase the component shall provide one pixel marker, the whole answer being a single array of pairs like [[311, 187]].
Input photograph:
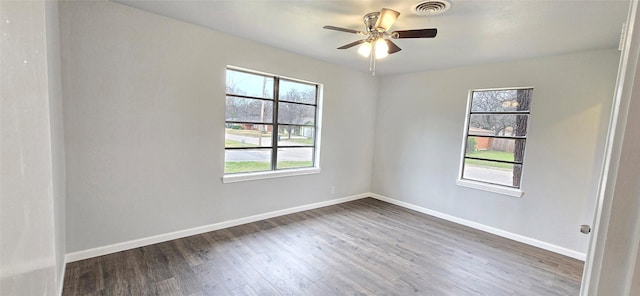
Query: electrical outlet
[[333, 189]]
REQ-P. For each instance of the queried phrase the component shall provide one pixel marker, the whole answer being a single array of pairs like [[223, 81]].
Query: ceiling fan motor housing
[[370, 20]]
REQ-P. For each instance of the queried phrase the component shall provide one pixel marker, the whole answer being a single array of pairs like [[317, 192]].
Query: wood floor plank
[[234, 267], [168, 287], [301, 244], [363, 247]]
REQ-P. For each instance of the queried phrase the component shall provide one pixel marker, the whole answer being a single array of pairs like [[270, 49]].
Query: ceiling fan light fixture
[[386, 19], [365, 49], [381, 48]]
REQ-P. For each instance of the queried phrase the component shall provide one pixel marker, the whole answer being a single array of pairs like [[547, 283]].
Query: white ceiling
[[471, 32]]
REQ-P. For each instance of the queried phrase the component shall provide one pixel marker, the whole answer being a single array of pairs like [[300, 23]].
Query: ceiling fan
[[377, 44]]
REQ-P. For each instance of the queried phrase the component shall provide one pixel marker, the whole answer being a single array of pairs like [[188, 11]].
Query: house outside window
[[495, 138], [271, 123]]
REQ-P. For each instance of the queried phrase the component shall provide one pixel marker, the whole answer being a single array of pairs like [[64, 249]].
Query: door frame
[[604, 210]]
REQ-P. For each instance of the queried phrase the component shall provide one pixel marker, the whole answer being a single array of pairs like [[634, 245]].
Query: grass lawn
[[256, 166], [306, 141], [491, 154], [232, 143], [294, 164], [247, 133]]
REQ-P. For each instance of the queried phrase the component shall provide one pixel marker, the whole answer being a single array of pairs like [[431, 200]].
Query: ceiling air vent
[[430, 7]]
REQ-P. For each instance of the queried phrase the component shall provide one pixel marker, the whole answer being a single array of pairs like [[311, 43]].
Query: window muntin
[[495, 136], [270, 123]]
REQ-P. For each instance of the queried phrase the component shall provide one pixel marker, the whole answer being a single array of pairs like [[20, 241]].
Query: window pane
[[246, 160], [491, 148], [249, 110], [246, 84], [295, 135], [498, 124], [295, 158], [247, 135], [297, 92], [492, 172], [501, 100], [296, 114]]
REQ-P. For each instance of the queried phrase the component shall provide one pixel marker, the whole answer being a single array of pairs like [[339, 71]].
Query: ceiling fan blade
[[342, 30], [386, 18], [393, 48], [420, 33], [352, 44]]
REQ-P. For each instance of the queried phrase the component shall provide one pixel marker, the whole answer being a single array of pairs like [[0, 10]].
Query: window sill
[[268, 175], [491, 188]]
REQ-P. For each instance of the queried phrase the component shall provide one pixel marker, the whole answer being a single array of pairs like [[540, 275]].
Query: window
[[271, 123], [495, 138]]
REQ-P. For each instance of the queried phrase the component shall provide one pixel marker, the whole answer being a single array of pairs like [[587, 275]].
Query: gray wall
[[144, 126], [419, 128], [32, 222]]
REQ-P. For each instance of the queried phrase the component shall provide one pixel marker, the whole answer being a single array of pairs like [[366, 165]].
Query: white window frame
[[480, 185], [240, 177]]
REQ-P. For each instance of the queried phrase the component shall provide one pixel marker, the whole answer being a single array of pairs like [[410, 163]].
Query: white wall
[[32, 157], [144, 126], [419, 128]]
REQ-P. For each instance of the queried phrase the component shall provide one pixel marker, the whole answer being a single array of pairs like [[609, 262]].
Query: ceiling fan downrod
[[372, 63]]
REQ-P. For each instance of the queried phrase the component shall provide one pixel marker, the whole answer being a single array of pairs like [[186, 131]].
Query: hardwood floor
[[364, 247]]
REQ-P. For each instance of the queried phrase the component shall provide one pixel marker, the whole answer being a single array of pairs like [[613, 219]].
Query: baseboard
[[485, 228], [123, 246], [114, 248]]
